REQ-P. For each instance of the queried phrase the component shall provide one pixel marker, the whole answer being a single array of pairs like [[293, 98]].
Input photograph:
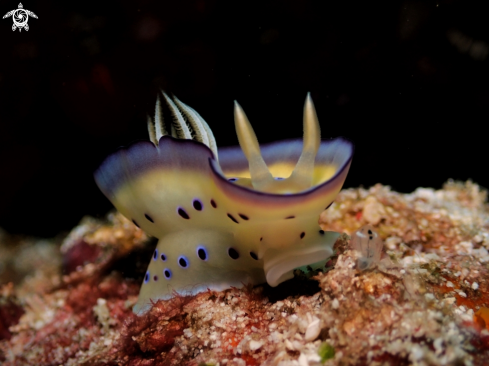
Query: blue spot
[[146, 277], [183, 213], [202, 253], [167, 273], [155, 254], [163, 257], [233, 253], [198, 205], [232, 179], [183, 261], [232, 218]]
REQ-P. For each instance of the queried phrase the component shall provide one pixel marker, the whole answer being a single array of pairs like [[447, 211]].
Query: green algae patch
[[326, 351]]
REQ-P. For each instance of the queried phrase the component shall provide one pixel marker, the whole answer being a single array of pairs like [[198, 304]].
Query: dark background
[[406, 80]]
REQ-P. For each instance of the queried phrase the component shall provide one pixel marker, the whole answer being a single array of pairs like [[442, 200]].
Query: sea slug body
[[229, 216]]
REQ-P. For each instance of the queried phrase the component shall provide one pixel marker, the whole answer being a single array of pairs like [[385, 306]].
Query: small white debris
[[276, 337], [461, 293], [450, 284], [482, 254], [239, 361], [254, 345], [313, 330], [187, 333], [373, 211], [297, 345], [303, 360], [425, 194], [464, 247], [289, 345], [475, 286], [393, 242], [438, 343], [417, 353], [431, 256], [450, 300], [336, 304], [102, 312]]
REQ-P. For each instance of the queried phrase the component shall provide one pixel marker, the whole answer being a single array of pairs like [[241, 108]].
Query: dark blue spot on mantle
[[244, 217], [183, 261], [167, 273], [149, 218], [232, 218], [202, 253], [183, 213], [233, 253], [198, 205]]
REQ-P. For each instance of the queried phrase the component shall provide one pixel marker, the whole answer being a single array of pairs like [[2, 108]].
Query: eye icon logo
[[20, 17]]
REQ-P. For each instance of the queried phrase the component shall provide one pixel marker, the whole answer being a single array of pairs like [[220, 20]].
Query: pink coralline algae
[[10, 310]]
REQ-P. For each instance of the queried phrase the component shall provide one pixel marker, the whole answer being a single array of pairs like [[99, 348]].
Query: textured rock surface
[[428, 305]]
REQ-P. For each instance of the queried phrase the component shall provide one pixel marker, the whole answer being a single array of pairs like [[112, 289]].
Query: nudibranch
[[227, 217]]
